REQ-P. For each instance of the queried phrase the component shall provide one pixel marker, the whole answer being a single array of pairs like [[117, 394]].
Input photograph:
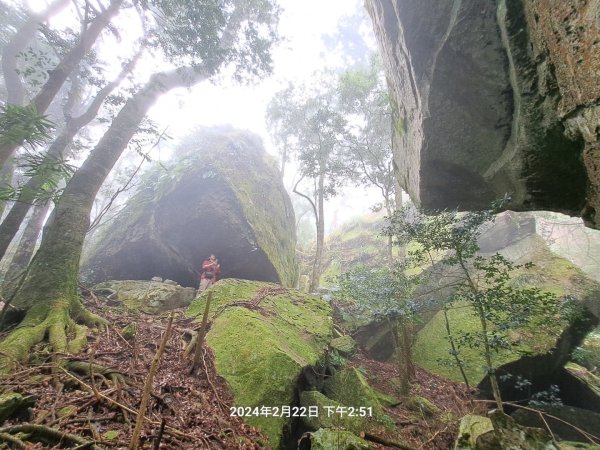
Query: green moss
[[345, 345], [432, 351], [327, 419], [129, 331], [400, 126], [9, 404], [567, 445], [422, 406], [41, 321], [585, 376], [67, 411], [328, 439], [111, 435], [471, 427], [349, 387], [262, 351]]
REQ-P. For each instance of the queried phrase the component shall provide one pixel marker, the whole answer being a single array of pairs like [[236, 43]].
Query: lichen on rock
[[344, 345], [148, 296]]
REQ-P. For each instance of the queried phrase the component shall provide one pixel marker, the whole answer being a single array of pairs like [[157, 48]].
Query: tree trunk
[[25, 249], [454, 350], [390, 243], [60, 73], [12, 222], [398, 200], [18, 43], [49, 291], [320, 219], [401, 357], [6, 180]]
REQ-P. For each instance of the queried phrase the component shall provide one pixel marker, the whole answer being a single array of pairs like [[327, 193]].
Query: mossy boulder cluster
[[220, 193], [347, 403], [264, 336], [494, 97], [517, 237]]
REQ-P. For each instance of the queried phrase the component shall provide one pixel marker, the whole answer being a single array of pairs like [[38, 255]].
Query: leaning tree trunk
[[49, 291], [58, 75], [56, 152], [17, 44]]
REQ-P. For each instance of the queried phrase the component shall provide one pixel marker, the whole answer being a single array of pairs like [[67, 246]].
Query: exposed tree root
[[15, 441], [44, 434], [54, 323]]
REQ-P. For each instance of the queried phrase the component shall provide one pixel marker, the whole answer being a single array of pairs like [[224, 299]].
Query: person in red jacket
[[209, 274]]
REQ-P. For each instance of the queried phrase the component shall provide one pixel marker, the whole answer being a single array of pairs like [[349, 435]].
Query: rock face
[[220, 194], [263, 337], [495, 97]]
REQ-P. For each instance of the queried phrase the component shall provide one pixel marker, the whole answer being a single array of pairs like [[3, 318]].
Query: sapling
[[447, 241], [384, 294]]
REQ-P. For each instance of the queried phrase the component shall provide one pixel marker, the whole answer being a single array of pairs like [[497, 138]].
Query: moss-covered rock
[[470, 428], [585, 385], [329, 439], [9, 404], [261, 350], [350, 387], [344, 345], [329, 416], [148, 296], [517, 237], [500, 431], [422, 406], [512, 435], [221, 193]]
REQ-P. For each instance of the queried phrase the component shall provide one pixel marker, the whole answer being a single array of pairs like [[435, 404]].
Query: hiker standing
[[209, 274]]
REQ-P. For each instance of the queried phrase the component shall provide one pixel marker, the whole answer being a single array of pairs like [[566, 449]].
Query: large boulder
[[222, 194], [549, 344], [264, 336], [495, 97]]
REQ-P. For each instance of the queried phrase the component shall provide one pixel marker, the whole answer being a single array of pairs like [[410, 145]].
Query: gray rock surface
[[148, 296], [222, 194], [493, 98]]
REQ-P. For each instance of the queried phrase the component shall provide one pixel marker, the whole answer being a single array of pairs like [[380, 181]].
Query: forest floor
[[194, 408], [418, 428]]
